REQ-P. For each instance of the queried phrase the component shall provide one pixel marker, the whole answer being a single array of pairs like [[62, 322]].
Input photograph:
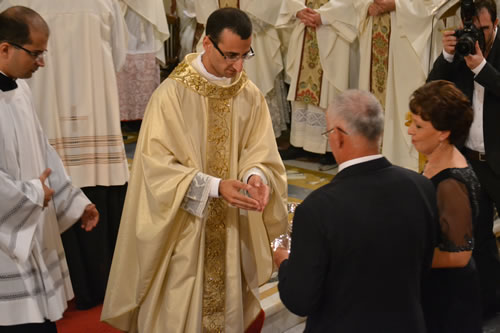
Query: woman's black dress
[[451, 299]]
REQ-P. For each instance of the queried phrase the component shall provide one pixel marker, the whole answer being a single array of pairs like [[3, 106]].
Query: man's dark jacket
[[360, 246]]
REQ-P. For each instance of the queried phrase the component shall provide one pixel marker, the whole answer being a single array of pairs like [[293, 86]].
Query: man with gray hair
[[360, 244]]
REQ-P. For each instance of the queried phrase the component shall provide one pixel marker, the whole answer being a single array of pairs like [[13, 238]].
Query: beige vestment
[[318, 66], [192, 126], [409, 59]]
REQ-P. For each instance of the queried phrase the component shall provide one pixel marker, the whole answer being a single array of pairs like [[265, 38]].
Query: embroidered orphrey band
[[219, 122], [310, 72], [218, 157]]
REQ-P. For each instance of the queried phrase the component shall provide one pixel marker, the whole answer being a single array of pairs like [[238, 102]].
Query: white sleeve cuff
[[214, 187], [447, 56], [39, 194], [479, 68]]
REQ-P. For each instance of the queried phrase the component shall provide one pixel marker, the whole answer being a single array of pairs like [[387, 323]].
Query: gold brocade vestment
[[190, 273]]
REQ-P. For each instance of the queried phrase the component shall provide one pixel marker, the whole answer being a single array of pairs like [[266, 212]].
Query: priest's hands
[[90, 217], [229, 189], [309, 17], [47, 191], [259, 191]]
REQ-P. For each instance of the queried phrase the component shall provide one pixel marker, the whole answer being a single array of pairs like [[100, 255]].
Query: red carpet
[[86, 321]]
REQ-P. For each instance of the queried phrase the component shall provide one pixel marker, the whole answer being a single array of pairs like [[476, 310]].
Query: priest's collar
[[6, 83], [198, 65], [186, 74]]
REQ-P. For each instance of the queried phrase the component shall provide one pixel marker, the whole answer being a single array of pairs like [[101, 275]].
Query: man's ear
[[4, 49], [339, 140], [206, 43]]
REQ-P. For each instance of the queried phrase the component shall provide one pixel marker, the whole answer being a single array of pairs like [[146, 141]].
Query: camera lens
[[465, 45]]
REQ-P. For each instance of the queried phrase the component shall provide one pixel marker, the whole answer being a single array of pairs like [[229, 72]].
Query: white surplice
[[34, 278], [76, 94], [140, 76]]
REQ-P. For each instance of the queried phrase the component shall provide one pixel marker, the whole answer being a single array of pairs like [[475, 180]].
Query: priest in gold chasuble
[[207, 194]]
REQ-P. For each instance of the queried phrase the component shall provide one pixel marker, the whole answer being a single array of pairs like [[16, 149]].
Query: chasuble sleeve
[[163, 169], [259, 151]]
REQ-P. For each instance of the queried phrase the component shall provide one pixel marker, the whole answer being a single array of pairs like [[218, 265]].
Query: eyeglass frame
[[37, 55], [331, 130], [250, 54]]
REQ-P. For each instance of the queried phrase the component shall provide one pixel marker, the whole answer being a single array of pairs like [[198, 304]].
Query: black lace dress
[[451, 299]]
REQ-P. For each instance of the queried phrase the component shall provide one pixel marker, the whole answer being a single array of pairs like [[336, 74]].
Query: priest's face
[[29, 57], [225, 57]]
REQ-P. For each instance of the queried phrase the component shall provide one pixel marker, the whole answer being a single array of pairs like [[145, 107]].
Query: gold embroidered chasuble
[[185, 273]]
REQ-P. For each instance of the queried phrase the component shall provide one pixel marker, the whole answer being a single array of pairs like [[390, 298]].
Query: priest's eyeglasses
[[231, 58], [331, 130], [37, 55]]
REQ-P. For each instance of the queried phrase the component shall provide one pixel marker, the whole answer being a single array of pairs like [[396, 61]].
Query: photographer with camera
[[471, 60]]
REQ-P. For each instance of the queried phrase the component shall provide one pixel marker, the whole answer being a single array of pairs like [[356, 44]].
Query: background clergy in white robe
[[266, 68], [76, 96], [324, 73], [186, 12], [409, 55], [38, 200], [140, 75]]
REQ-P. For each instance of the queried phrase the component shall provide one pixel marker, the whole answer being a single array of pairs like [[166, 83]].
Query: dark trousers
[[89, 254], [46, 327], [485, 249]]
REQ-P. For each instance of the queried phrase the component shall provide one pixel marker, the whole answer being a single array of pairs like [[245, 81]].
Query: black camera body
[[469, 35]]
